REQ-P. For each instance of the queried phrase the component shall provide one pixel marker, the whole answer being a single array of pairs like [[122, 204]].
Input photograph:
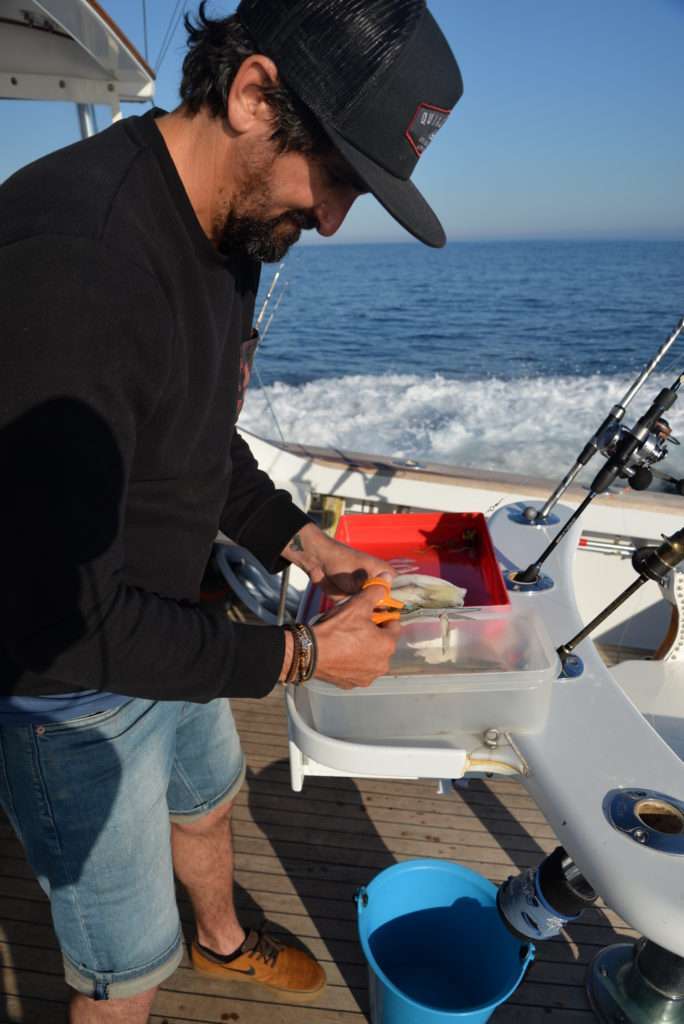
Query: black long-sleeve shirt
[[119, 369]]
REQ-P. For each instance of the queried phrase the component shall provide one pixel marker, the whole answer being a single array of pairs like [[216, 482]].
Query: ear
[[247, 108]]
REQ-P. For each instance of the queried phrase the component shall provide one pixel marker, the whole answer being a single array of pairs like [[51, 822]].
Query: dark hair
[[216, 50]]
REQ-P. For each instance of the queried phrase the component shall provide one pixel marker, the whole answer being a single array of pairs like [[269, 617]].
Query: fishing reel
[[652, 448], [634, 450], [607, 437]]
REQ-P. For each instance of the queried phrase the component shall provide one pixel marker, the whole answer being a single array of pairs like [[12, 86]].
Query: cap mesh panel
[[328, 49]]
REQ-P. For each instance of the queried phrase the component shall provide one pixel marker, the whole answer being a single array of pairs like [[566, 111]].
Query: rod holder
[[638, 983], [515, 583]]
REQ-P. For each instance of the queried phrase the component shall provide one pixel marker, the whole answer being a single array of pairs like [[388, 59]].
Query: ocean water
[[499, 355]]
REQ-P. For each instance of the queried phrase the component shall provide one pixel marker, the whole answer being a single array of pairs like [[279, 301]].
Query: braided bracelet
[[304, 654], [293, 671], [308, 652]]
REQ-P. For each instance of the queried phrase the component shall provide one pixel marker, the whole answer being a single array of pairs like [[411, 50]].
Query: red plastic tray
[[454, 546]]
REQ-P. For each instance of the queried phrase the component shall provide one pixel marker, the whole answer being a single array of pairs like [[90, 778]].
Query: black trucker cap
[[379, 77]]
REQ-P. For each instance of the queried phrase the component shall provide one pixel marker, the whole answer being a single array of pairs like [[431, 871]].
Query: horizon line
[[580, 239]]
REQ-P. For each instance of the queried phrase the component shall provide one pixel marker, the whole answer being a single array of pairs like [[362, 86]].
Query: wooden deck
[[300, 858]]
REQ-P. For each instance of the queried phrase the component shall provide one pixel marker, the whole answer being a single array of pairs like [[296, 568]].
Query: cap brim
[[401, 198]]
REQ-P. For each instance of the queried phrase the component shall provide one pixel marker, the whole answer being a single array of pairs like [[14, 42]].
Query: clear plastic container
[[458, 671]]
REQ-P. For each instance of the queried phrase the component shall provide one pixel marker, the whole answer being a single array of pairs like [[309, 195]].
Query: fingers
[[392, 629], [376, 568], [344, 584], [373, 585], [352, 651], [359, 577]]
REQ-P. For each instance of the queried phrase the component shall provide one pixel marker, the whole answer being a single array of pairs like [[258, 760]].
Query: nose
[[332, 211]]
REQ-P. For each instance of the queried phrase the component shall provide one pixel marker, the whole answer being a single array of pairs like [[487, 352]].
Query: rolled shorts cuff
[[224, 797], [101, 985]]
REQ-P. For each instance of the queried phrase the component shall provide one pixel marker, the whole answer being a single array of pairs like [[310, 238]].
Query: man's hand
[[339, 570], [352, 650]]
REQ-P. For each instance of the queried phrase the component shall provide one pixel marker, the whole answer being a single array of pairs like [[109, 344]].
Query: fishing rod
[[269, 293], [632, 452], [275, 310], [265, 331], [651, 563], [606, 434]]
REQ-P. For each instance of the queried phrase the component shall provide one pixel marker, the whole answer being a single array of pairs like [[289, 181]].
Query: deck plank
[[300, 857]]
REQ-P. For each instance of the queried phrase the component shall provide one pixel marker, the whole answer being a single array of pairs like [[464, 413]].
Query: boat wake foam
[[533, 425]]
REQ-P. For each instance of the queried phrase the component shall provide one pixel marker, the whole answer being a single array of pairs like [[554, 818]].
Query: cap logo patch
[[424, 125]]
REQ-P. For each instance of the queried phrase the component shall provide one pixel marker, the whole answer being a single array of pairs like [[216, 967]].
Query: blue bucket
[[437, 949]]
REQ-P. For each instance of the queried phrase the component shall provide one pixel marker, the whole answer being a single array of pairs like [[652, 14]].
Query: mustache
[[304, 219]]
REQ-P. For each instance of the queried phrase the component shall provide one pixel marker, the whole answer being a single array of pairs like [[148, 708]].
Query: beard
[[245, 230], [266, 241]]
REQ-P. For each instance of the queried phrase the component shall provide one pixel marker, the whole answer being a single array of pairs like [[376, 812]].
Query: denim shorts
[[92, 801]]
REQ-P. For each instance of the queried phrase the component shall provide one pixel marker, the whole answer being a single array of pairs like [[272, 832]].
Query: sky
[[571, 124]]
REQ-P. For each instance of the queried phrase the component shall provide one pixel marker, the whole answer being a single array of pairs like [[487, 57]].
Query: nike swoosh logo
[[238, 970]]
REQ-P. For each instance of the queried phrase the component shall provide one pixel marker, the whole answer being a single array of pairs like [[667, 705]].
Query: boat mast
[[86, 119]]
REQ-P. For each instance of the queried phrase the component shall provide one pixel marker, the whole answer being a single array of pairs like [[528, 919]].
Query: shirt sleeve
[[257, 515], [85, 352]]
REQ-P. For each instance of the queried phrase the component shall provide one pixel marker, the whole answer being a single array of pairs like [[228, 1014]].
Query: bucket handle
[[527, 954], [361, 898]]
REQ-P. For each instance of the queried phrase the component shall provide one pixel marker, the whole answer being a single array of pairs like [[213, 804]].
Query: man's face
[[279, 196]]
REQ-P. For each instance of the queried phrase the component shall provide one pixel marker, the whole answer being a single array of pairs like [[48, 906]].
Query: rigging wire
[[178, 12], [668, 367], [145, 36], [268, 402], [166, 33]]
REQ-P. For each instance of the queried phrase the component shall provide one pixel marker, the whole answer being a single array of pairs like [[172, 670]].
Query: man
[[130, 265]]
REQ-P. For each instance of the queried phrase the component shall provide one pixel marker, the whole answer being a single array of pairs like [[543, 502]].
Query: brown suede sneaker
[[264, 961]]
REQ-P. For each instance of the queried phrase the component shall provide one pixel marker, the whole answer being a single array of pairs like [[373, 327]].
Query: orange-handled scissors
[[389, 608]]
